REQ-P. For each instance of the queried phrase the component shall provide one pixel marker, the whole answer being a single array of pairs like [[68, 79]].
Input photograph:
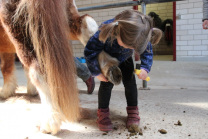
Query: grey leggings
[[82, 70]]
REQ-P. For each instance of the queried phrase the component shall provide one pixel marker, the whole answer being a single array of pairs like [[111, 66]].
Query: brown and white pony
[[84, 27], [38, 30], [7, 55]]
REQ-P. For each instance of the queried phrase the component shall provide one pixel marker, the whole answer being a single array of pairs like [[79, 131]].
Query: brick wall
[[191, 40], [164, 10]]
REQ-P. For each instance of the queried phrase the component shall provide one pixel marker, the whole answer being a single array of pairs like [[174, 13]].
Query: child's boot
[[103, 120], [133, 118]]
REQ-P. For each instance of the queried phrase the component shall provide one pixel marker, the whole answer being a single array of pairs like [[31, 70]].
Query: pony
[[157, 21], [7, 55], [38, 30], [82, 29]]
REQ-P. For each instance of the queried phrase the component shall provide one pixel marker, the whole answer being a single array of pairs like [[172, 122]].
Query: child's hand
[[142, 75], [205, 24], [102, 78]]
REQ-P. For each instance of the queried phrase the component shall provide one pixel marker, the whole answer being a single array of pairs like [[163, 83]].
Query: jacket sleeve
[[91, 52], [205, 10], [147, 58]]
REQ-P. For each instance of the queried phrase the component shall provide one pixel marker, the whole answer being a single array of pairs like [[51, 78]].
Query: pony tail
[[156, 36], [107, 30], [48, 26]]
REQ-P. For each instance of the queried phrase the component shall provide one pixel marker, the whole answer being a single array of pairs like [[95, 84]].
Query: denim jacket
[[95, 46]]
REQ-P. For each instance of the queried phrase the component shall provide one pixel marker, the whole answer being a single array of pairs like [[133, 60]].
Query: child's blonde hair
[[134, 29]]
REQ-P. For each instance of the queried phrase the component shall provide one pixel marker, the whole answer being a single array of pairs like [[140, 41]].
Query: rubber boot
[[103, 120], [133, 118]]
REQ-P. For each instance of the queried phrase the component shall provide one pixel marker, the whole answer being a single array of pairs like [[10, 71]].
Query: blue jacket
[[95, 46]]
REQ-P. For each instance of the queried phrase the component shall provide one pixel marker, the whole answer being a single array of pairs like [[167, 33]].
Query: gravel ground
[[176, 102]]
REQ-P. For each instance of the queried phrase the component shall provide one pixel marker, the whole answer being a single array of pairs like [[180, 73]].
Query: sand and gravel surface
[[177, 102]]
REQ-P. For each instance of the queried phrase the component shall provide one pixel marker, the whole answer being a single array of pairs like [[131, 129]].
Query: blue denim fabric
[[95, 46], [82, 70]]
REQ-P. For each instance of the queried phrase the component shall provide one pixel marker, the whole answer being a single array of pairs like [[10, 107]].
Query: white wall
[[191, 39]]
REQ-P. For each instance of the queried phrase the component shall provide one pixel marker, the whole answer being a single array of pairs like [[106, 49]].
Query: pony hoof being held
[[114, 75]]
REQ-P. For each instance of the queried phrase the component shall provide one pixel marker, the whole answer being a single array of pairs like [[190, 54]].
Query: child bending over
[[129, 31]]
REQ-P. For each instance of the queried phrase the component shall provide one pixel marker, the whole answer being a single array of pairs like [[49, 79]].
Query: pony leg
[[31, 90], [109, 68], [8, 68], [51, 119]]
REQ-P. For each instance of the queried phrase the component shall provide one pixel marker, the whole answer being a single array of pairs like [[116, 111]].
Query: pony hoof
[[6, 94], [33, 94], [39, 129], [48, 129], [50, 124], [114, 75]]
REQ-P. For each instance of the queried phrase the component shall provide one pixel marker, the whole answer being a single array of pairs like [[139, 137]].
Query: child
[[130, 30]]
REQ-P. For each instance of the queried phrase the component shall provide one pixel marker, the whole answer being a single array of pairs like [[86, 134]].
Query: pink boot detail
[[103, 120], [133, 116]]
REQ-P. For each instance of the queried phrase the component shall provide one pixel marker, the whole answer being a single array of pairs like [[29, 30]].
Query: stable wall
[[191, 39]]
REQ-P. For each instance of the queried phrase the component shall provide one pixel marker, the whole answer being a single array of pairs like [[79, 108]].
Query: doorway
[[163, 18]]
